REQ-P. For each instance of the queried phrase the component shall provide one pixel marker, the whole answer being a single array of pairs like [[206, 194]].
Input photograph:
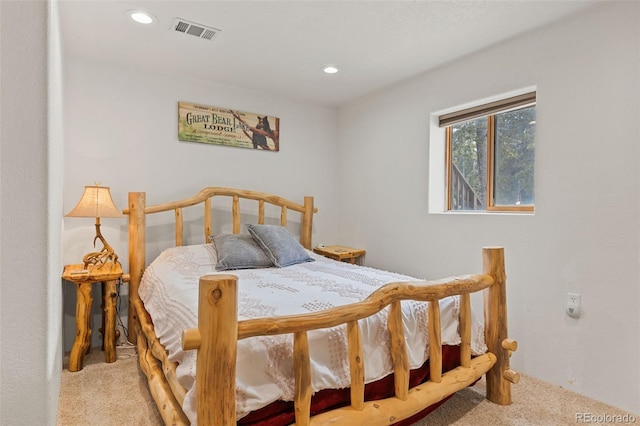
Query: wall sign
[[222, 126]]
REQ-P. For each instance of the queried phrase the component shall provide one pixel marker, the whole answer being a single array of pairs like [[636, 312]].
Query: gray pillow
[[239, 251], [279, 244]]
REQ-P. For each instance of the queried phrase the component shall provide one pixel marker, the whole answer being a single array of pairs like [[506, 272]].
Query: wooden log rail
[[218, 332], [152, 343], [170, 408]]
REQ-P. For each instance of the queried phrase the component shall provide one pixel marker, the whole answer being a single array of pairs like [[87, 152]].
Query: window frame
[[489, 111]]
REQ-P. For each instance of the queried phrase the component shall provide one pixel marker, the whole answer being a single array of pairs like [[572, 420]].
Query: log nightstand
[[108, 275], [341, 253]]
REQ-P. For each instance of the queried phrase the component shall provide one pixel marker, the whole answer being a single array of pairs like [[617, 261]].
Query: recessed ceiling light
[[330, 69], [140, 16]]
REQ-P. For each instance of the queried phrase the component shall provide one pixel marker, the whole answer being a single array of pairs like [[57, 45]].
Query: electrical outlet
[[573, 305]]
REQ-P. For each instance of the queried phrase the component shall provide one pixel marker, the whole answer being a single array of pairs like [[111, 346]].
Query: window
[[490, 156]]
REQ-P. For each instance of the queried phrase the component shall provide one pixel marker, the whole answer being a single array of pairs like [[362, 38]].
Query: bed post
[[137, 259], [500, 377], [216, 340], [307, 223]]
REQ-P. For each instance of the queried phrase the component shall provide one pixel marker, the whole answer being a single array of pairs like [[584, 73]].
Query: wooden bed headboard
[[137, 211]]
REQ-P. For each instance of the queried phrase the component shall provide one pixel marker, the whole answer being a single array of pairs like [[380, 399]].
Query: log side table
[[84, 278], [341, 253]]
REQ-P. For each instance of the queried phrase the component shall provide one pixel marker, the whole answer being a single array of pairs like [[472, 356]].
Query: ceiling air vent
[[198, 30]]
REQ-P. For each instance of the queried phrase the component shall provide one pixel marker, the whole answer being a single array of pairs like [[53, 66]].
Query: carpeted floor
[[116, 394]]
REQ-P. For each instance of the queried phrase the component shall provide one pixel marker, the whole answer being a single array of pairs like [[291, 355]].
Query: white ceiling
[[280, 46]]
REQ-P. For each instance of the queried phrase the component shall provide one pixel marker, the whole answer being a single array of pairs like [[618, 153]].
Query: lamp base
[[99, 258]]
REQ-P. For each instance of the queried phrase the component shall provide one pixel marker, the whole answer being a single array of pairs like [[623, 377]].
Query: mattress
[[169, 290]]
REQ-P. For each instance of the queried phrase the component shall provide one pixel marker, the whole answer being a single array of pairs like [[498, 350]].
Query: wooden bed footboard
[[219, 331]]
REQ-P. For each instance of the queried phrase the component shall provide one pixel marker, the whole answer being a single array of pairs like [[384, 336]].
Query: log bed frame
[[218, 330]]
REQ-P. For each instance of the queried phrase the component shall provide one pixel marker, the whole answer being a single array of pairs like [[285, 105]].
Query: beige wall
[[584, 236], [30, 222]]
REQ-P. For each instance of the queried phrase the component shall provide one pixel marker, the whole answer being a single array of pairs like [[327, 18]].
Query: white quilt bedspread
[[169, 290]]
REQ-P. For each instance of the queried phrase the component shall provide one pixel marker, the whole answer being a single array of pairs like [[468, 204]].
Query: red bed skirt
[[282, 413]]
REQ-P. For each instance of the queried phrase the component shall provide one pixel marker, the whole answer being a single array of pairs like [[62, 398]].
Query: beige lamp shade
[[96, 202]]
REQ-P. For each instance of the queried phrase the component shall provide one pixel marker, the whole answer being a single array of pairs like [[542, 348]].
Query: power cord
[[119, 319]]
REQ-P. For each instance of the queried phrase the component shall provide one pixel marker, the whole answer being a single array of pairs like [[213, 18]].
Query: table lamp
[[96, 202]]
